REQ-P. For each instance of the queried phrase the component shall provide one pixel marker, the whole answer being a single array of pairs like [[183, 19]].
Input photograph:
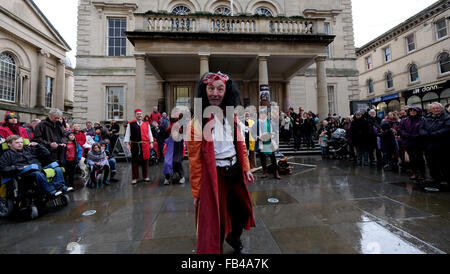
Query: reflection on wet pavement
[[332, 208]]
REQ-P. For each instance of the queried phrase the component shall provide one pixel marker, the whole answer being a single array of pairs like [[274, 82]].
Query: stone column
[[263, 73], [135, 96], [60, 84], [322, 96], [204, 63], [285, 95], [263, 70], [40, 94]]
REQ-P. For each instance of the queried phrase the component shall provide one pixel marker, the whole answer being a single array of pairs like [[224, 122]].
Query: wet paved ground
[[334, 208]]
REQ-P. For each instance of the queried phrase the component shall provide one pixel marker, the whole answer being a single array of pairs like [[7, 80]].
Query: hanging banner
[[264, 95]]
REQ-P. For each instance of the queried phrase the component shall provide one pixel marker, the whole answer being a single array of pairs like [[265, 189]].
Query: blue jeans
[[362, 153], [42, 183], [324, 150], [58, 180], [112, 164]]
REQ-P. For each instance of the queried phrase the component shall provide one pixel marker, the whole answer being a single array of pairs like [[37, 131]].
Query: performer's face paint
[[216, 92]]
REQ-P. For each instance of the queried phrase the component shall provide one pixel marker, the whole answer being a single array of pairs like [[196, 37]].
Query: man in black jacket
[[435, 132], [50, 133], [18, 157]]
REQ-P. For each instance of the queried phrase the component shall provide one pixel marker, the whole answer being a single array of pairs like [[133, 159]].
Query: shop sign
[[385, 98], [424, 89]]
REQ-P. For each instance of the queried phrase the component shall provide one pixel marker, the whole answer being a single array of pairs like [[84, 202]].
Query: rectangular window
[[331, 100], [182, 96], [116, 38], [441, 29], [48, 92], [410, 43], [387, 54], [369, 62], [327, 32], [22, 90], [389, 81], [370, 84], [114, 103]]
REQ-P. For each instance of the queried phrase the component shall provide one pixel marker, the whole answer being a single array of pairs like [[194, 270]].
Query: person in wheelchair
[[18, 159], [98, 162]]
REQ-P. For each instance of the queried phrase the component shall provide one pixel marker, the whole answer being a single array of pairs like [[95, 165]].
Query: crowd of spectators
[[410, 139]]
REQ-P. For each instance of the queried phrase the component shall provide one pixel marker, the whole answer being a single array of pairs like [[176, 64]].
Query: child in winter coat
[[72, 155], [323, 138], [98, 161]]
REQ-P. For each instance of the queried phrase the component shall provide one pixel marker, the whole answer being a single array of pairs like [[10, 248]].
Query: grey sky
[[370, 18]]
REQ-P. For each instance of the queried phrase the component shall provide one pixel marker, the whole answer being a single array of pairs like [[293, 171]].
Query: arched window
[[445, 97], [394, 105], [8, 78], [414, 101], [389, 80], [413, 73], [263, 11], [181, 10], [223, 10], [444, 63], [370, 84]]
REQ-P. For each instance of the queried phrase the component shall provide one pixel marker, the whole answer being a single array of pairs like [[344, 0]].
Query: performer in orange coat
[[219, 170]]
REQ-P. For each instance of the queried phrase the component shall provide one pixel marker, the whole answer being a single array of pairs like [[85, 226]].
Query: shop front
[[424, 96], [386, 104]]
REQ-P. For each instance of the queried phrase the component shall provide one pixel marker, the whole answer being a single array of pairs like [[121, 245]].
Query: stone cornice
[[314, 13], [311, 38], [123, 6], [407, 25], [61, 44]]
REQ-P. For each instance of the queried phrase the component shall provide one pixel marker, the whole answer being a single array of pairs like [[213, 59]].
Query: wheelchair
[[25, 199]]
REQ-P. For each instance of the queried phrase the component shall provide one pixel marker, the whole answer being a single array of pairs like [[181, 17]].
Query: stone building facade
[[409, 64], [34, 76], [152, 53]]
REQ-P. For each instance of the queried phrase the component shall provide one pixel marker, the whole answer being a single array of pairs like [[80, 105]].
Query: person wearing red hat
[[139, 140], [11, 127]]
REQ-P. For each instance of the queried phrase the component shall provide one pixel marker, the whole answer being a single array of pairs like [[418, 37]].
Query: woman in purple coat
[[408, 130]]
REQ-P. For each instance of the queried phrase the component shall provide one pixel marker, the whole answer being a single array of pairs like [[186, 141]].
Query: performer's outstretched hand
[[249, 177]]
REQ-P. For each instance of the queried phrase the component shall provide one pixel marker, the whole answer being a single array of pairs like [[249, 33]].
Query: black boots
[[237, 246]]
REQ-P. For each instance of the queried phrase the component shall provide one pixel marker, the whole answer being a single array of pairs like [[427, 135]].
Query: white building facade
[[409, 64], [142, 54], [34, 76]]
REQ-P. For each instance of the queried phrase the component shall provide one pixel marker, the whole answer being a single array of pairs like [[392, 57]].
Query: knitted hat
[[10, 115]]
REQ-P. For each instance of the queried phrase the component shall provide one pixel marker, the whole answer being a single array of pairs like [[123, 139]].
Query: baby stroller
[[338, 144], [24, 198]]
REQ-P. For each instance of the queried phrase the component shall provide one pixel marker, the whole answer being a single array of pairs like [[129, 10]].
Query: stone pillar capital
[[139, 55], [44, 52], [263, 56], [62, 61], [320, 59]]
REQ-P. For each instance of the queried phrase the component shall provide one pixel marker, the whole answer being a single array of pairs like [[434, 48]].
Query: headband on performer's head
[[212, 77]]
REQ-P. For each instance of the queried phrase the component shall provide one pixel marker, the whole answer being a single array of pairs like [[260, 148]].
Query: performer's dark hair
[[231, 97]]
